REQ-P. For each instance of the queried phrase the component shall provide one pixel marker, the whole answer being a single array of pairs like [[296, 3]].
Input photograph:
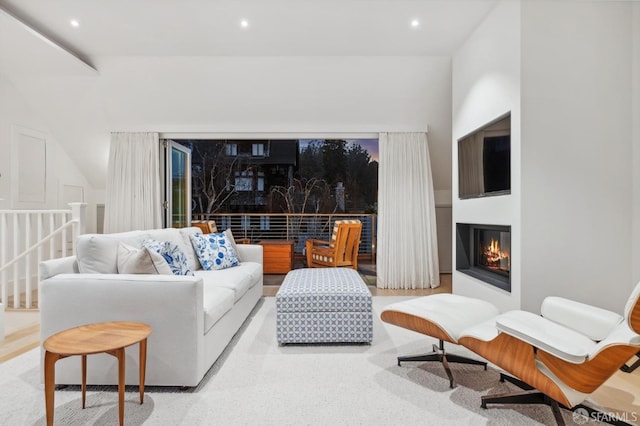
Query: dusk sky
[[371, 145]]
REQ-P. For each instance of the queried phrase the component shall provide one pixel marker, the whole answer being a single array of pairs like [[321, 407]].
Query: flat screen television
[[484, 160]]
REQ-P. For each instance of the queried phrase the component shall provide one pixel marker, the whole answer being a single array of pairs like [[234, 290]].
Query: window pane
[[243, 184], [284, 176]]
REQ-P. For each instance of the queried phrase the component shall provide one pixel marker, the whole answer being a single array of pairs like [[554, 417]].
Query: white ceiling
[[187, 65], [277, 27]]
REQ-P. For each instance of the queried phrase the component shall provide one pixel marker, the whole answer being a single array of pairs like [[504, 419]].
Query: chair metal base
[[529, 395], [440, 355], [630, 368]]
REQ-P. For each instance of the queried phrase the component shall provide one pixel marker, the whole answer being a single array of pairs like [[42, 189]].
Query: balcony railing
[[292, 226]]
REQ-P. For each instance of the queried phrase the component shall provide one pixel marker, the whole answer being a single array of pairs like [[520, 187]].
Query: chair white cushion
[[485, 331], [620, 335], [595, 323], [547, 335], [453, 313]]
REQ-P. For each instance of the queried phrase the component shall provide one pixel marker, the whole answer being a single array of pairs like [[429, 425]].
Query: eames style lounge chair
[[443, 316], [559, 357], [341, 251]]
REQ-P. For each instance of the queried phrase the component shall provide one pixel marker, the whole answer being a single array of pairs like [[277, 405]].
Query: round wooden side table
[[105, 337]]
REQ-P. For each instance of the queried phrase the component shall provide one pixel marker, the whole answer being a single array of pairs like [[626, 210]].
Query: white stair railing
[[24, 237]]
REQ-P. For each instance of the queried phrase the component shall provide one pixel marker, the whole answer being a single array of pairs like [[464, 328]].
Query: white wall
[[16, 115], [576, 152], [486, 85], [282, 94], [567, 73], [245, 95]]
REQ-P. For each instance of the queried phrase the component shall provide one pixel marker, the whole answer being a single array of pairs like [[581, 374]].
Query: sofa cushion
[[187, 247], [171, 253], [177, 237], [98, 253], [217, 301], [214, 251], [133, 260], [236, 279], [254, 270]]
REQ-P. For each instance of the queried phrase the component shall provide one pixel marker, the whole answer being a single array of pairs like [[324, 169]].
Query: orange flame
[[495, 257]]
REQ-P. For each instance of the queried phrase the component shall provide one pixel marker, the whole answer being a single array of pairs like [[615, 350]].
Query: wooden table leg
[[121, 369], [84, 380], [143, 367], [49, 383]]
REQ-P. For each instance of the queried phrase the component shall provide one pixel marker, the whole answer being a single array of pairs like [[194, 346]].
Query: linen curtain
[[407, 237], [133, 193]]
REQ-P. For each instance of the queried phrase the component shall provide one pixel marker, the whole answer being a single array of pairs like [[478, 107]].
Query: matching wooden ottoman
[[324, 305]]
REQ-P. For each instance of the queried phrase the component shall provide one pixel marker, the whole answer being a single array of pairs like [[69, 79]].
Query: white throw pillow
[[132, 260], [214, 251]]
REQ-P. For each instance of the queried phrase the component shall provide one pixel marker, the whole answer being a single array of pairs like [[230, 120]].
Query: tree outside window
[[284, 176]]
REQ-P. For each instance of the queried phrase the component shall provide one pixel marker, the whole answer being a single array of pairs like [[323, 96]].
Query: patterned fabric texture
[[174, 256], [215, 251], [324, 305]]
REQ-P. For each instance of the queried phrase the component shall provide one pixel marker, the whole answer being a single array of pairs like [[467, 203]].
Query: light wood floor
[[620, 394]]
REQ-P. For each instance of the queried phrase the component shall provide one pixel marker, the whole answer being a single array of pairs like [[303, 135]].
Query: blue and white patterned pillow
[[214, 251], [174, 256]]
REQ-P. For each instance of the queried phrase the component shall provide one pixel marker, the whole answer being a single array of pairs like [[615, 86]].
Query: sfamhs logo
[[582, 415]]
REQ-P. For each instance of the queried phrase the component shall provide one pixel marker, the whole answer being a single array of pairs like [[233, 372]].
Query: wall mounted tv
[[484, 160]]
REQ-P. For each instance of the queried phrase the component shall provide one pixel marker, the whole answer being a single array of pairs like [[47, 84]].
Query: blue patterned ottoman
[[324, 305]]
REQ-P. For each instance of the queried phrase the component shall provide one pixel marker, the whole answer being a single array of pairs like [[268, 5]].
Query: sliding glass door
[[178, 185]]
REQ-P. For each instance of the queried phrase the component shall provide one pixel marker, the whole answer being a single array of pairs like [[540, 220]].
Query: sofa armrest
[[171, 305], [595, 323], [546, 335], [250, 253], [53, 267]]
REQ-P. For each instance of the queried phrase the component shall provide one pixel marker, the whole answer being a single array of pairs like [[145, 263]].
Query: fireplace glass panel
[[493, 250], [484, 252]]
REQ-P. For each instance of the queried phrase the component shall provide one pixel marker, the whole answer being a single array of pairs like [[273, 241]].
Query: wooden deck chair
[[207, 226], [341, 251]]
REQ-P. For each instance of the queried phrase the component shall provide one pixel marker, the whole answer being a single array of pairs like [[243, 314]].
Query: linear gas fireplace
[[484, 252]]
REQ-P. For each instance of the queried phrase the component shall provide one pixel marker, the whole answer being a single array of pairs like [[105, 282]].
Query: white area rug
[[257, 382]]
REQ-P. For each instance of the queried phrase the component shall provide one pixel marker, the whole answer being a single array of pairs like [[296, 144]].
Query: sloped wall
[[62, 177]]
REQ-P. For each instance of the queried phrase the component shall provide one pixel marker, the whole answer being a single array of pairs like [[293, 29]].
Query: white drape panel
[[407, 237], [133, 194]]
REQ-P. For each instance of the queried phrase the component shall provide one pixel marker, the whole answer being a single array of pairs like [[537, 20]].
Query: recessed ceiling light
[[415, 23], [74, 23], [244, 23]]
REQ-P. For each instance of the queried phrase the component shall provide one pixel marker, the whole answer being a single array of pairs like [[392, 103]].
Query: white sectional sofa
[[193, 317]]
